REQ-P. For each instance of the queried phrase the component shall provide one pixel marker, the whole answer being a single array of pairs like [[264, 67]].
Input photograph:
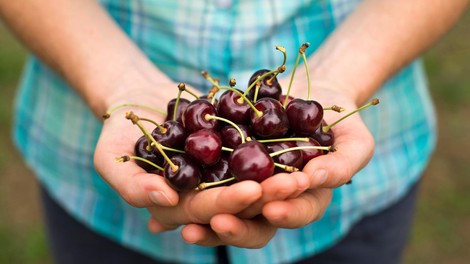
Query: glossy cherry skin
[[194, 117], [251, 161], [282, 99], [170, 109], [324, 138], [217, 172], [291, 158], [216, 102], [204, 146], [272, 124], [229, 107], [231, 138], [140, 150], [188, 175], [174, 137], [308, 154], [270, 89], [305, 116]]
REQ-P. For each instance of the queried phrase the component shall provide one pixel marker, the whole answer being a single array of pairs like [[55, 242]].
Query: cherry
[[218, 172], [171, 134], [324, 138], [292, 158], [308, 154], [233, 107], [186, 176], [304, 116], [231, 137], [204, 146], [251, 161], [193, 117], [141, 150], [182, 104], [269, 86], [269, 120], [285, 98]]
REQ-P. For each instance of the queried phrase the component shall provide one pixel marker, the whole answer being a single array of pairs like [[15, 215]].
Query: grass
[[441, 233]]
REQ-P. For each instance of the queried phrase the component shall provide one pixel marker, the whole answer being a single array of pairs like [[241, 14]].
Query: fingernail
[[160, 198], [320, 176]]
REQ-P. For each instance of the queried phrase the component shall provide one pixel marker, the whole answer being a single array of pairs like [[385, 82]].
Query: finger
[[278, 187], [200, 206], [155, 226], [298, 212], [223, 200], [248, 233], [201, 235], [354, 148]]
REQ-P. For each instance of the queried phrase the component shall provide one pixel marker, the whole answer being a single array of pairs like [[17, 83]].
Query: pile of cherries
[[240, 135]]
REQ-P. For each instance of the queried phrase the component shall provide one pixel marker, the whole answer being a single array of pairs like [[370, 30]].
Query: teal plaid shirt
[[57, 133]]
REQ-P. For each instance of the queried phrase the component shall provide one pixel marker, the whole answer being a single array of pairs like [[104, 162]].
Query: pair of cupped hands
[[245, 214]]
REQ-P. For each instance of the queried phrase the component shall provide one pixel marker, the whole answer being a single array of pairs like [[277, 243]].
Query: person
[[90, 56]]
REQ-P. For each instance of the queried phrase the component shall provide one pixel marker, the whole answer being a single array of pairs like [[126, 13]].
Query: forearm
[[81, 42], [378, 39]]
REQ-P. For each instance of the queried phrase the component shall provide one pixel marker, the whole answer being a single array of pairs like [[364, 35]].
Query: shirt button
[[223, 4]]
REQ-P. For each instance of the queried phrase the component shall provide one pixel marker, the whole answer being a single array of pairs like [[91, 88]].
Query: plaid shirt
[[57, 133]]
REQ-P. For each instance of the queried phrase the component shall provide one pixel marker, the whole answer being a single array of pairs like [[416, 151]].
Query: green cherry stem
[[205, 185], [327, 148], [303, 139], [227, 149], [286, 167], [209, 117], [374, 101], [299, 54], [162, 129], [255, 97], [136, 121], [113, 109], [281, 68], [302, 51], [128, 157], [335, 108]]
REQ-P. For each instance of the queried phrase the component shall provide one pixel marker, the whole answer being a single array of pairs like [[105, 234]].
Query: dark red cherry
[[269, 88], [205, 97], [171, 134], [233, 108], [305, 116], [231, 138], [170, 109], [204, 146], [186, 177], [251, 161], [290, 158], [324, 138], [217, 172], [194, 116], [308, 154], [140, 150], [282, 99], [272, 124]]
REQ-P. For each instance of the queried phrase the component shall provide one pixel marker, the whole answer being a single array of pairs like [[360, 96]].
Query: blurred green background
[[441, 233]]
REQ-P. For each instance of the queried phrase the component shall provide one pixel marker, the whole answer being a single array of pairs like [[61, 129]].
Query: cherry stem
[[303, 139], [227, 149], [209, 117], [255, 97], [292, 75], [162, 129], [230, 88], [335, 108], [175, 110], [302, 51], [327, 148], [327, 128], [127, 158], [205, 185], [286, 167], [136, 121], [113, 109], [281, 68]]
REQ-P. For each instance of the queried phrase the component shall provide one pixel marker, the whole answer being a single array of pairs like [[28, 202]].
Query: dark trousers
[[379, 238]]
